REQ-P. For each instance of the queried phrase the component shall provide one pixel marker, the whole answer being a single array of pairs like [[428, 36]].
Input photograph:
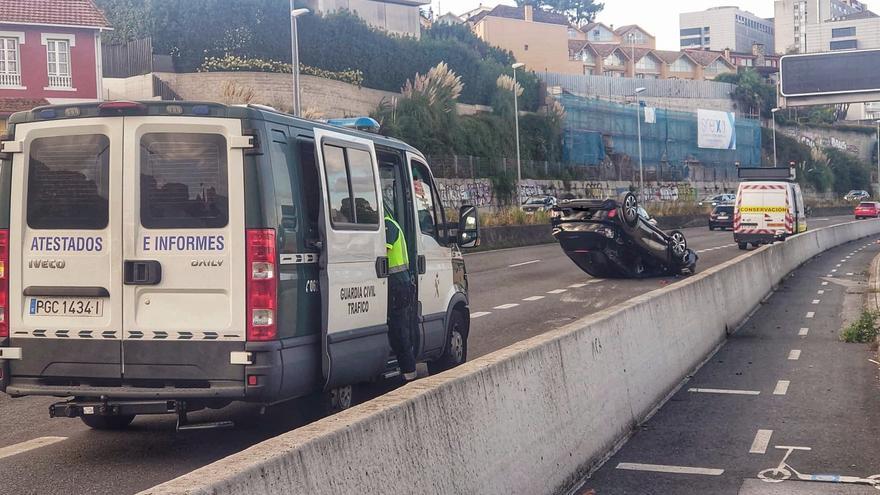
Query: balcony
[[60, 82], [10, 80]]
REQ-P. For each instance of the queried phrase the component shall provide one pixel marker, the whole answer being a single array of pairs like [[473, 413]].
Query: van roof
[[192, 108]]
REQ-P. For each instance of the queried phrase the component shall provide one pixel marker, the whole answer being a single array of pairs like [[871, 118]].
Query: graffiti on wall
[[477, 193], [819, 141]]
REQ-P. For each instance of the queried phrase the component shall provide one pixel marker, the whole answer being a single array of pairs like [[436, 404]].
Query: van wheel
[[336, 400], [455, 351], [107, 422], [743, 245]]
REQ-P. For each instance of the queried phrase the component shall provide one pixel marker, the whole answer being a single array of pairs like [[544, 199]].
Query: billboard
[[823, 74], [716, 130]]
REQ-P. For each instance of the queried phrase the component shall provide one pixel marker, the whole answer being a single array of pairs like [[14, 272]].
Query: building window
[[691, 42], [58, 52], [526, 47], [587, 58], [843, 32], [682, 65], [648, 63], [691, 31], [636, 37], [614, 60], [844, 45], [10, 69]]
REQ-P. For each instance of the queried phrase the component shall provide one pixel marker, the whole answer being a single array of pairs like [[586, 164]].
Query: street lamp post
[[773, 115], [878, 152], [516, 124], [637, 92], [294, 48]]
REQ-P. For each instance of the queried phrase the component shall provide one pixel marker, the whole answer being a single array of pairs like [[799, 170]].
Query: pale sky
[[658, 17]]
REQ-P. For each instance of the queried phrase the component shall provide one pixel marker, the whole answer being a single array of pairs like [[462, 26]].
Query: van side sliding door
[[353, 263]]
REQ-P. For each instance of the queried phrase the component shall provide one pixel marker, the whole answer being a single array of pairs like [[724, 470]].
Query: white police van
[[164, 257]]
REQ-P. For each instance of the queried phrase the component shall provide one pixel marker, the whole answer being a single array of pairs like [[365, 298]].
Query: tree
[[753, 95], [579, 12]]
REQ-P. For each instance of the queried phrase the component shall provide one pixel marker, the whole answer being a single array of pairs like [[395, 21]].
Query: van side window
[[426, 207], [311, 187], [184, 181], [68, 181], [351, 186]]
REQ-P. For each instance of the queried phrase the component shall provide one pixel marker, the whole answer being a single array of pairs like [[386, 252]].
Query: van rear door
[[65, 284], [183, 263], [761, 208]]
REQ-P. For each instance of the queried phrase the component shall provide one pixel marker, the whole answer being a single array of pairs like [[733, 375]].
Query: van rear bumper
[[216, 390]]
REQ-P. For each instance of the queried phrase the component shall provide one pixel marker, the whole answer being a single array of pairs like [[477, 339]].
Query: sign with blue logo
[[716, 130]]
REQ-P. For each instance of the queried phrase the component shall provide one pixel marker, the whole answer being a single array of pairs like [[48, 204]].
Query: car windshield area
[[723, 210], [867, 205]]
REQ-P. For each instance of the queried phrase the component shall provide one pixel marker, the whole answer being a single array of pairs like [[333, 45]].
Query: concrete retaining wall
[[528, 419]]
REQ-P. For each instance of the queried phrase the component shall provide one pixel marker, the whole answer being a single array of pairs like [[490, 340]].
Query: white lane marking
[[716, 248], [803, 332], [824, 283], [811, 314], [834, 270], [506, 306], [660, 468], [533, 298], [576, 286], [557, 291], [837, 265], [816, 301], [22, 447], [820, 292], [724, 391], [830, 275], [843, 261], [781, 387], [523, 263], [794, 355], [850, 274], [480, 314], [761, 441]]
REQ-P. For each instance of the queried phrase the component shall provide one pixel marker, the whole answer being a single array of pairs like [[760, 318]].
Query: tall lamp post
[[294, 48], [636, 94], [773, 115], [515, 66], [878, 152]]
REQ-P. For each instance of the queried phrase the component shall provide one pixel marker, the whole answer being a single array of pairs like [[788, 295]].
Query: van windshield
[[68, 180]]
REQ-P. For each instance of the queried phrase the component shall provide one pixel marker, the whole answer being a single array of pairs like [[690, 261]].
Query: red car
[[867, 209]]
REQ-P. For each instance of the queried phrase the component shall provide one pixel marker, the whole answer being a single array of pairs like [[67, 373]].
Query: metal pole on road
[[294, 65], [516, 123], [773, 116], [878, 156], [639, 132]]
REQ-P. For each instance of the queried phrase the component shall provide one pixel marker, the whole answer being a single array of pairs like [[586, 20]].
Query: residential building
[[400, 17], [50, 52], [810, 26], [721, 28], [758, 60], [623, 60], [449, 18], [633, 35], [536, 38]]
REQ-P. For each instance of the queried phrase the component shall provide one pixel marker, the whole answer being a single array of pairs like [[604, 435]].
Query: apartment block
[[810, 26], [721, 28]]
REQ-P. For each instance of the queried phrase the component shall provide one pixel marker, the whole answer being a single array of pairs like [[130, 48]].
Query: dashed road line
[[576, 286], [850, 274], [781, 387], [506, 306], [824, 283], [533, 298], [761, 441], [816, 301], [523, 263], [22, 447], [716, 248], [724, 391], [834, 271], [794, 355], [660, 468], [811, 314], [837, 265], [803, 332], [480, 314], [557, 291], [820, 292]]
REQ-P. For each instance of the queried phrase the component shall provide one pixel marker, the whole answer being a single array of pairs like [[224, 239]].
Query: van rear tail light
[[4, 283], [262, 285]]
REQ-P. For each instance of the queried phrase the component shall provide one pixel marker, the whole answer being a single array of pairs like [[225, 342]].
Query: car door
[[183, 266], [353, 262], [435, 258]]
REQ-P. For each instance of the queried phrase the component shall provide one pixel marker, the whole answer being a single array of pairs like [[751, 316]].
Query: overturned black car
[[615, 239]]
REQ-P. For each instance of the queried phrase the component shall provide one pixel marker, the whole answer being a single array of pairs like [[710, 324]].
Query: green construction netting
[[591, 124]]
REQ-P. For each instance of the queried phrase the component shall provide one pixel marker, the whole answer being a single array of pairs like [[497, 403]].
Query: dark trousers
[[401, 302]]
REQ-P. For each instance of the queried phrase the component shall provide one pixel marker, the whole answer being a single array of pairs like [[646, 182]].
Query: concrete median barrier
[[528, 419]]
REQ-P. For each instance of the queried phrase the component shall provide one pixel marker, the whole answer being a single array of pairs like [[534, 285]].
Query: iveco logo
[[58, 264], [206, 263]]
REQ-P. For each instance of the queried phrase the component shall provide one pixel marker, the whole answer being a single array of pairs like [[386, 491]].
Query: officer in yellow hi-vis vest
[[401, 297]]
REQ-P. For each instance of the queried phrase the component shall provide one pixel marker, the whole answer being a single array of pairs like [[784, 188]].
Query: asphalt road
[[515, 294], [784, 379]]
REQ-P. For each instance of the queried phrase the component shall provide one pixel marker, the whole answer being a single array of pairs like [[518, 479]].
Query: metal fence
[[128, 59], [474, 167], [626, 86]]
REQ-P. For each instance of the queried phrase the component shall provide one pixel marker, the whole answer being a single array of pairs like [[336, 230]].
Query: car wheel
[[107, 422], [743, 245], [711, 227], [630, 207], [455, 352], [678, 245], [336, 400]]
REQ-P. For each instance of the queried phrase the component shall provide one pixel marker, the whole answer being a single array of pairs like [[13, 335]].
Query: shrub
[[863, 330], [231, 63]]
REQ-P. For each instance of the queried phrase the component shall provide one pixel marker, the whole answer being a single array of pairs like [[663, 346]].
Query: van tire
[[108, 422], [743, 245], [455, 350], [336, 400]]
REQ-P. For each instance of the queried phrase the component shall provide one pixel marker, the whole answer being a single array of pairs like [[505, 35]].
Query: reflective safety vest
[[398, 256]]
